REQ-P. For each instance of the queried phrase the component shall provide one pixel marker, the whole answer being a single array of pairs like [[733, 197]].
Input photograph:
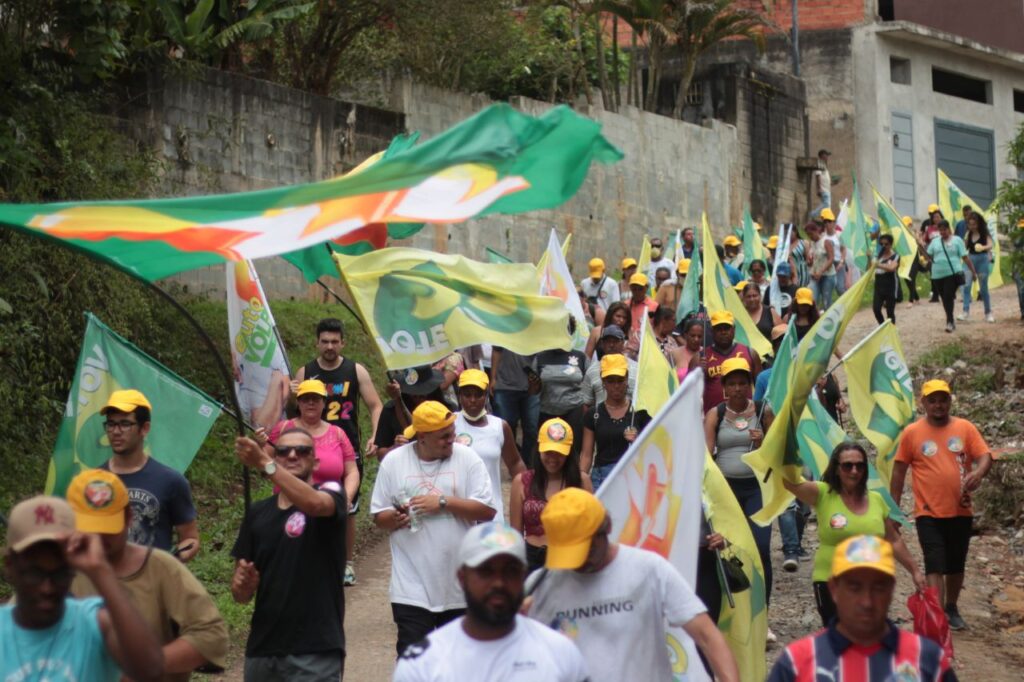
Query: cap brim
[[477, 560], [873, 566], [935, 390], [108, 524], [52, 536], [561, 448], [567, 557], [304, 393], [120, 407], [474, 384], [615, 373], [425, 386]]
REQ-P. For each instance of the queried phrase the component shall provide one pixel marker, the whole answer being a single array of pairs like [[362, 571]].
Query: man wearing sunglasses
[[290, 555], [161, 498]]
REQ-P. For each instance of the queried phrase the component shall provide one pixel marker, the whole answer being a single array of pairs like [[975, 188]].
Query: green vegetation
[[941, 356]]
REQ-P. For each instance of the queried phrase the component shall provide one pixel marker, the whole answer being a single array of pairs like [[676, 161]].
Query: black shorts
[[944, 543]]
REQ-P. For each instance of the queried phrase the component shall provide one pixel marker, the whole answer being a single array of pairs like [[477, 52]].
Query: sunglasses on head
[[300, 450], [850, 466]]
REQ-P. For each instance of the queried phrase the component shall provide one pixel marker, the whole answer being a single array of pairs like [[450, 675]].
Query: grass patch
[[942, 356]]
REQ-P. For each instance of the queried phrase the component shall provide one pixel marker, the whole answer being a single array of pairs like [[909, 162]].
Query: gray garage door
[[903, 163], [967, 155]]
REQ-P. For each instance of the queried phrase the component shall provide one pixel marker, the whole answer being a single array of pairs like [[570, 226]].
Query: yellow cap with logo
[[474, 377], [98, 498], [863, 551], [555, 435], [570, 519], [935, 386]]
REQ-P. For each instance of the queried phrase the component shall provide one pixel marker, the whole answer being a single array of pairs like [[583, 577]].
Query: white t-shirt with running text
[[617, 616], [487, 441], [530, 653], [423, 563]]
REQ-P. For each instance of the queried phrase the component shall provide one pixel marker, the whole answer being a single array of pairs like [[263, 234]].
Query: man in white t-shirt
[[492, 642], [600, 289], [427, 495], [659, 259], [614, 601]]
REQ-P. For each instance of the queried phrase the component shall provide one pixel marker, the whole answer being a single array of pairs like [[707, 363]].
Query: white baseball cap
[[487, 540]]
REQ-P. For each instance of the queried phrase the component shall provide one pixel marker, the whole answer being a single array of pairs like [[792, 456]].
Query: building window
[[899, 70], [959, 85], [886, 11], [1018, 101]]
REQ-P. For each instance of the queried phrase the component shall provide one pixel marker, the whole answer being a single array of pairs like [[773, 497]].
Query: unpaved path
[[984, 652]]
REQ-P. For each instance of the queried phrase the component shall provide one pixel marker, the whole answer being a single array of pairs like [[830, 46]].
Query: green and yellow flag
[[498, 161], [778, 457], [689, 297], [655, 379], [952, 201], [903, 242], [881, 392], [420, 306], [644, 261], [745, 627], [782, 365], [719, 295], [855, 233], [753, 247], [494, 256], [181, 417]]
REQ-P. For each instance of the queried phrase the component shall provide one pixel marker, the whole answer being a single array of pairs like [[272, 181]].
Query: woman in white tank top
[[490, 437]]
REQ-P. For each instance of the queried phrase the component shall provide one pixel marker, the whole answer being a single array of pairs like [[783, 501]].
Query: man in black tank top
[[347, 381]]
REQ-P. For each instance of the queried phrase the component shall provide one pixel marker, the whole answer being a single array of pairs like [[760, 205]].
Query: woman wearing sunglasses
[[336, 456], [845, 508]]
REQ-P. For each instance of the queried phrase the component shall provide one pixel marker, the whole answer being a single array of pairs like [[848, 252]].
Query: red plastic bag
[[930, 618]]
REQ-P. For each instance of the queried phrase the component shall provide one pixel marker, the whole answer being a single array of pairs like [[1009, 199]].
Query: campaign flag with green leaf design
[[556, 280], [419, 306], [952, 200], [689, 297], [903, 242], [498, 161], [496, 256], [656, 381], [778, 381], [855, 232], [778, 457], [753, 247], [182, 415]]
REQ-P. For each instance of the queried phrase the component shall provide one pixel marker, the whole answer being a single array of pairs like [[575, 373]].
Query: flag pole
[[857, 347], [229, 380]]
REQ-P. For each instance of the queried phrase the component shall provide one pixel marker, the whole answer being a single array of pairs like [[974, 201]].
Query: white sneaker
[[990, 318], [962, 317]]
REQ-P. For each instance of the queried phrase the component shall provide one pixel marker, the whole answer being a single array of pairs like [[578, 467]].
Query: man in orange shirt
[[949, 458], [640, 307]]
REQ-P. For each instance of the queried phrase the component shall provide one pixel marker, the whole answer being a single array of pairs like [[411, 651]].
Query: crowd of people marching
[[101, 576]]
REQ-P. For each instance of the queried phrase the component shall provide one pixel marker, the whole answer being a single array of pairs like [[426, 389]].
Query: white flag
[[556, 280]]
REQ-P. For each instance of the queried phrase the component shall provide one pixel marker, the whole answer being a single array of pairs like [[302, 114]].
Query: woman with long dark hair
[[554, 468], [887, 279], [845, 508], [763, 316], [687, 356], [979, 244], [948, 256], [618, 313]]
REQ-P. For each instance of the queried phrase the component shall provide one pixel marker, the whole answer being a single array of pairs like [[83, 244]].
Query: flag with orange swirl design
[[653, 497]]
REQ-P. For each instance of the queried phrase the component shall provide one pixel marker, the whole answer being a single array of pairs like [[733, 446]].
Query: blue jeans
[[791, 527], [599, 473], [748, 494], [519, 407], [984, 268], [822, 289], [826, 202]]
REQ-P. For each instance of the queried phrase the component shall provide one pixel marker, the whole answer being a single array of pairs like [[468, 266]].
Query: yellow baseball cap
[[730, 365], [740, 286], [932, 208], [935, 386], [474, 377], [907, 221], [570, 519], [638, 278], [773, 241], [98, 499], [863, 551], [429, 416], [409, 432], [555, 435], [683, 268], [596, 266], [804, 296], [827, 214], [125, 401], [314, 386], [731, 240], [628, 263], [614, 365], [722, 317]]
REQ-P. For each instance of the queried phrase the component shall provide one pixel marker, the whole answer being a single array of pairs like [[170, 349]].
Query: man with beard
[[492, 642], [723, 346], [614, 600]]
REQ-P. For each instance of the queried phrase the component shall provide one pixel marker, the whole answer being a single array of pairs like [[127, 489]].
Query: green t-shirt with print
[[836, 523]]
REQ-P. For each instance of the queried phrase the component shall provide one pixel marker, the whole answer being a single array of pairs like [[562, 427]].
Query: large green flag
[[855, 233], [903, 242], [753, 248], [496, 256], [782, 366], [498, 161], [689, 297], [181, 417], [778, 457]]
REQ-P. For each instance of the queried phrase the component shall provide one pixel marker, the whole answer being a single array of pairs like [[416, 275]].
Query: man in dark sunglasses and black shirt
[[290, 555]]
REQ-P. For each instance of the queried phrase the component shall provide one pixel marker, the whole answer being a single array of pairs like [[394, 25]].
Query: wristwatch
[[270, 468], [442, 502]]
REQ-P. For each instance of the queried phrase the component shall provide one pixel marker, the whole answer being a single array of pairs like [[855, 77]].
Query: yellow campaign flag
[[644, 261], [744, 626], [952, 200], [903, 242], [655, 381], [719, 295], [778, 457], [420, 306]]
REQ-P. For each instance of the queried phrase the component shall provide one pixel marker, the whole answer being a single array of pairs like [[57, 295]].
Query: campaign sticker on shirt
[[838, 521], [574, 361], [295, 525], [603, 294], [567, 626], [929, 448], [464, 439], [955, 444], [906, 672]]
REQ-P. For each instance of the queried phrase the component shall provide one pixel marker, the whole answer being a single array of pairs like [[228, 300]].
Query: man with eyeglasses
[[290, 555], [161, 498], [45, 634]]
